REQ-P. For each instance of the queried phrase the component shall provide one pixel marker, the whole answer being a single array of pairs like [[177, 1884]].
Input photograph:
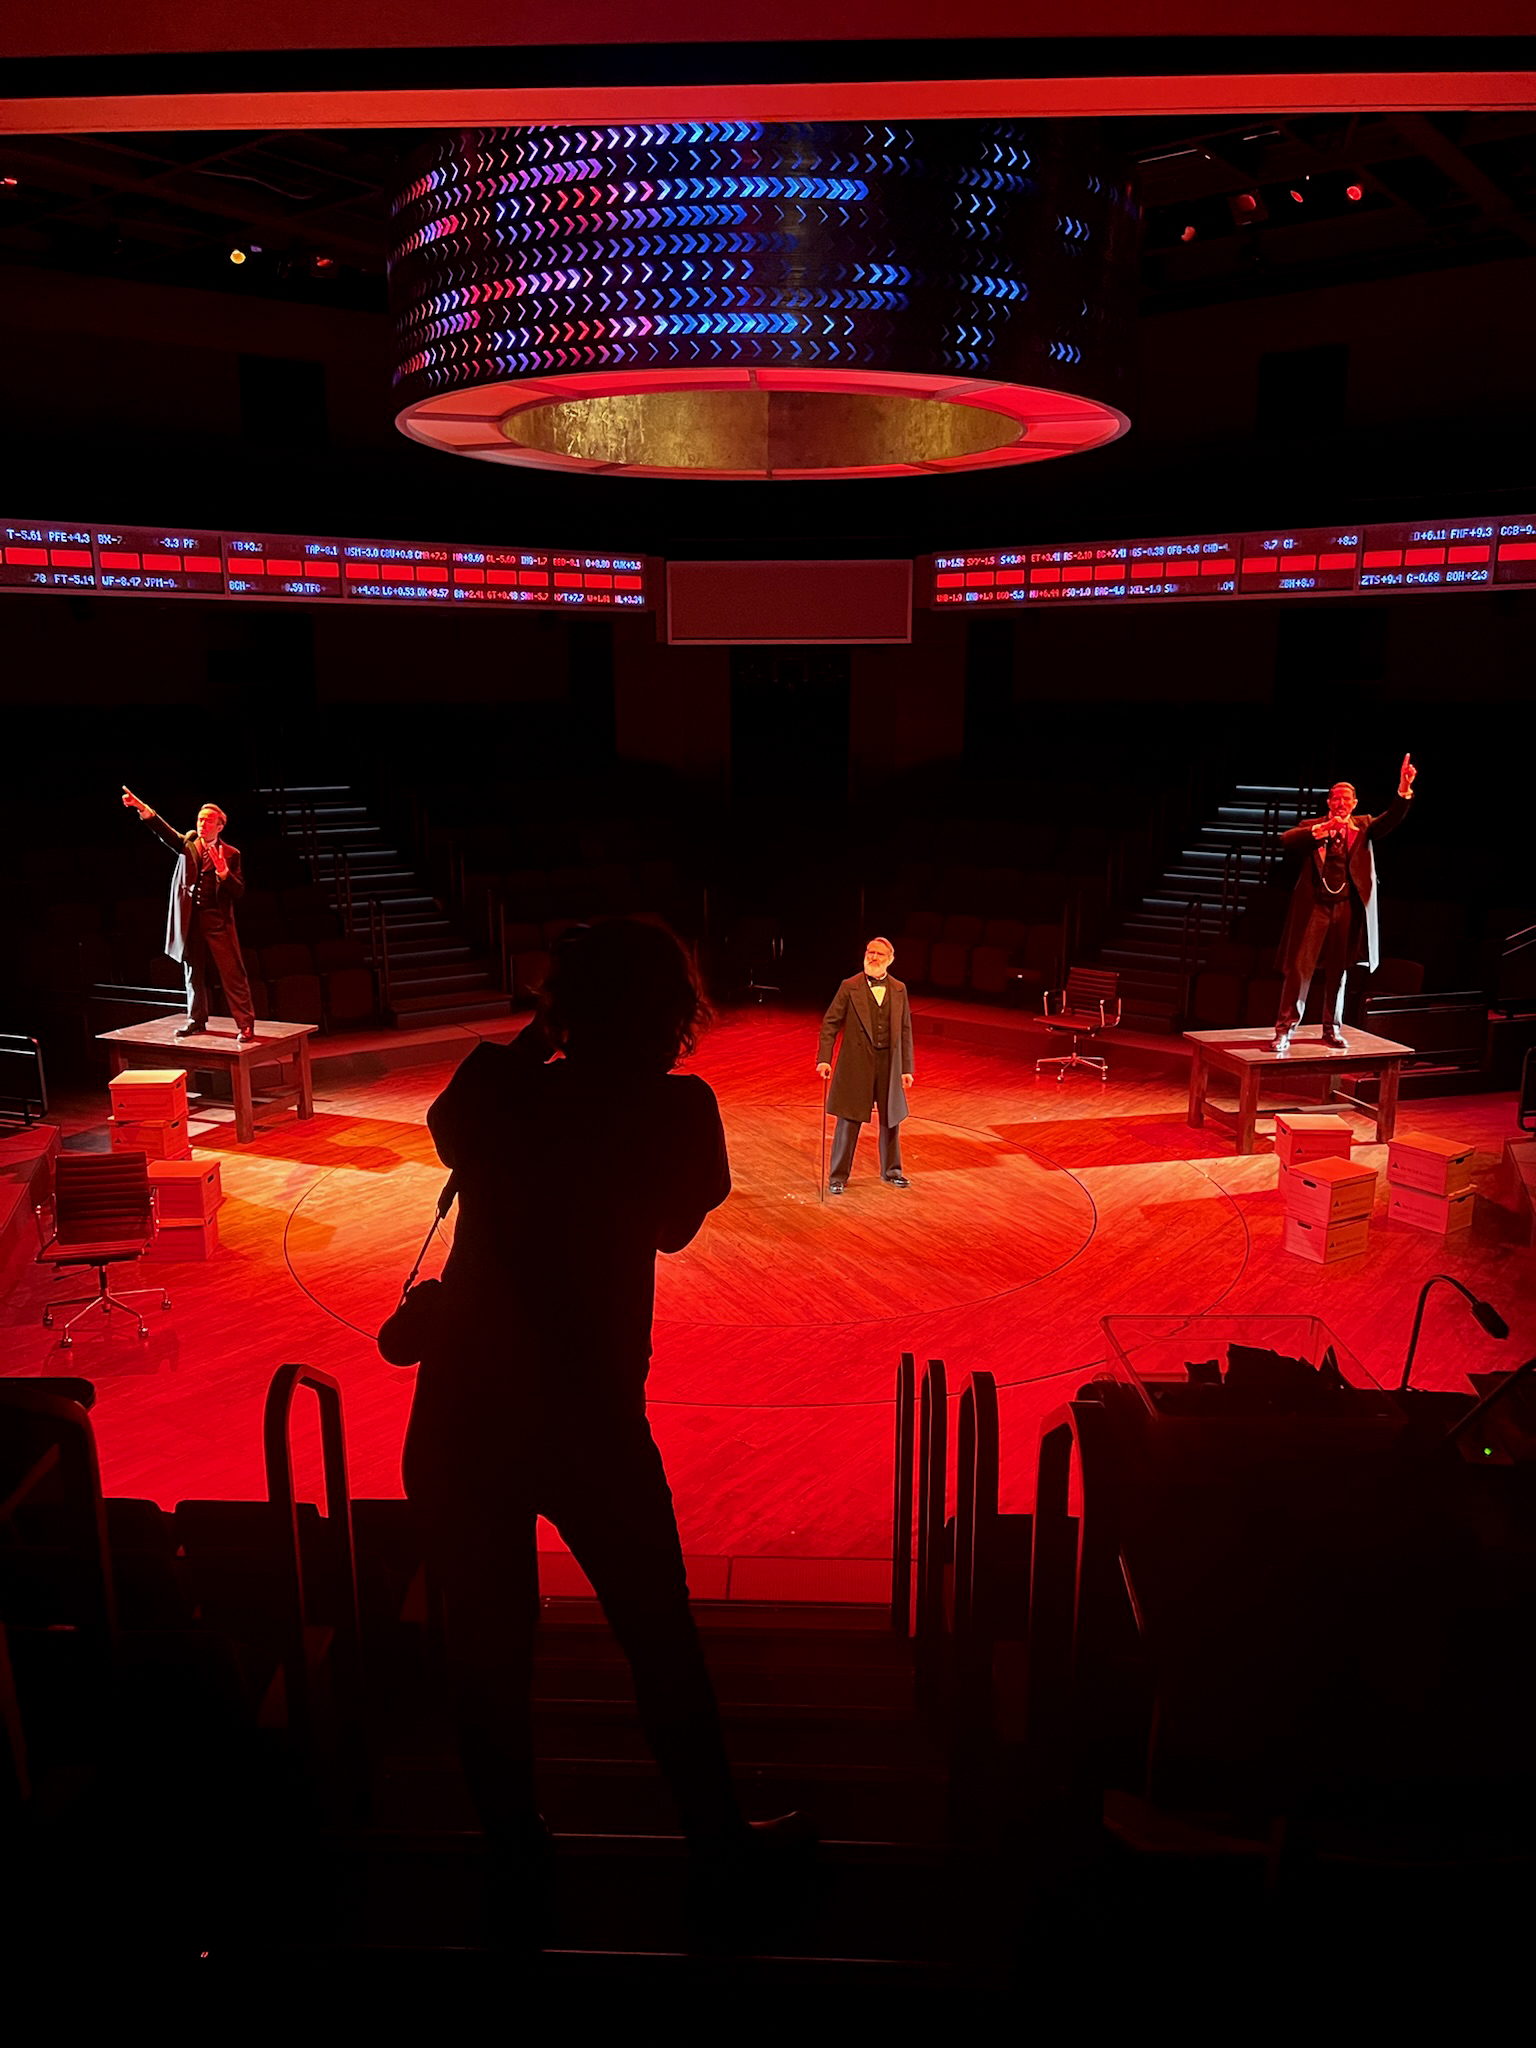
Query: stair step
[[413, 1010], [873, 1907], [437, 982]]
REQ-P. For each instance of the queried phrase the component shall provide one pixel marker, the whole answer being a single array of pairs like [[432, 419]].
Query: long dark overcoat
[[852, 1012], [227, 893], [1301, 942]]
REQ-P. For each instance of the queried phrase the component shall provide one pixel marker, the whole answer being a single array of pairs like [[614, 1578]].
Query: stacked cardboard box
[[149, 1113], [1429, 1182], [1328, 1198], [187, 1201]]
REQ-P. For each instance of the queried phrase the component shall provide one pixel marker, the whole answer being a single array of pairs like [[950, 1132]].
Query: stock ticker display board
[[75, 557], [1448, 554]]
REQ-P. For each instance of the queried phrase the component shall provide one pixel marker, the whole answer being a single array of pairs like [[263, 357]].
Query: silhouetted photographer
[[572, 1173]]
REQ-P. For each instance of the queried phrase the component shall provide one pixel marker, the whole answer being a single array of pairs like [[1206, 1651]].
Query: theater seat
[[948, 964], [963, 928], [911, 962], [297, 999], [1218, 1000], [991, 967], [1261, 999], [528, 972], [286, 959], [349, 997]]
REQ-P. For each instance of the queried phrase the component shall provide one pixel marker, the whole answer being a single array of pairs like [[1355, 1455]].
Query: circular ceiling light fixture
[[738, 300]]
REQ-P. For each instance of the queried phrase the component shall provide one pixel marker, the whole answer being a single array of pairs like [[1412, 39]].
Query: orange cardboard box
[[1300, 1136], [1440, 1166], [189, 1189], [1440, 1213], [1328, 1190], [1326, 1242], [149, 1095]]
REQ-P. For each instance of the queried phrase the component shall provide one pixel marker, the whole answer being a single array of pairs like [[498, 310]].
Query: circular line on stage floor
[[392, 1224]]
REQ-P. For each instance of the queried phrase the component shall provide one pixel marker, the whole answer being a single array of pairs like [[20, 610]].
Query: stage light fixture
[[9, 180], [735, 299], [1188, 234], [237, 255], [1354, 192], [1299, 197]]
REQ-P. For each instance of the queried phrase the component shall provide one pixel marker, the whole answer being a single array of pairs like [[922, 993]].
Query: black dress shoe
[[897, 1180], [835, 1187], [190, 1030]]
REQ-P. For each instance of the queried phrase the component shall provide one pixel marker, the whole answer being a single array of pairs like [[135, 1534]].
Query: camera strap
[[445, 1202]]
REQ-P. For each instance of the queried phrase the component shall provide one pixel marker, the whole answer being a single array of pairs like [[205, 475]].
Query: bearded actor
[[1332, 922], [874, 1064], [206, 886]]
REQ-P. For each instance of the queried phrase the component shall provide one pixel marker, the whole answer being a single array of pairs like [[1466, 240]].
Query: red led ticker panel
[[39, 554], [1460, 554]]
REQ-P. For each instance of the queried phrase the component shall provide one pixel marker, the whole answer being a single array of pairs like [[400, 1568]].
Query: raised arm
[[152, 819], [1397, 810]]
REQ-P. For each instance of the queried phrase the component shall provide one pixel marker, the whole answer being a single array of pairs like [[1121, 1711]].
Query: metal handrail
[[1189, 949], [378, 937], [277, 1451], [901, 1511], [341, 884], [932, 1478]]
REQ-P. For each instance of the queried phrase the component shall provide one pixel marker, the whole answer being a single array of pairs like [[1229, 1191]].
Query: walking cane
[[821, 1185]]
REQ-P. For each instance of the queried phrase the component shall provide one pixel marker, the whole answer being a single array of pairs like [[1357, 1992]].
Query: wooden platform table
[[218, 1048], [1248, 1056]]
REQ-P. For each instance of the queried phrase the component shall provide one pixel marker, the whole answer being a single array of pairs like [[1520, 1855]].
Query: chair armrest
[[1061, 998], [46, 1233]]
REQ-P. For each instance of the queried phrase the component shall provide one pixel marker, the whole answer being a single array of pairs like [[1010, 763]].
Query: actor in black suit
[[205, 888], [874, 1065], [1332, 921]]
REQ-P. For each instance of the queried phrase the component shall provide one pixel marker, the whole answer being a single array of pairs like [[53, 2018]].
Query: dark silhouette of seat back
[[102, 1198]]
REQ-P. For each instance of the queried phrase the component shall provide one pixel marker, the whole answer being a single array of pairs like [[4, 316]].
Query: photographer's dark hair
[[624, 990]]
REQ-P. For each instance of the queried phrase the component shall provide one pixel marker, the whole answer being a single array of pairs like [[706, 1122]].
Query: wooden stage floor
[[1034, 1209]]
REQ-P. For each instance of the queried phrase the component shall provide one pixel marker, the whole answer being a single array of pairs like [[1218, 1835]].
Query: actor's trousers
[[846, 1136], [216, 936], [1329, 972], [602, 1484]]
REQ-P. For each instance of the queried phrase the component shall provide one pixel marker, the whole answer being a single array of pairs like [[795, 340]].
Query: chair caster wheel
[[47, 1319], [143, 1333], [165, 1301], [66, 1342]]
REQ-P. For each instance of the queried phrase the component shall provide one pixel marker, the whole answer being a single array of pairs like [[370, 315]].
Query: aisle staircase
[[1160, 946], [819, 1716], [429, 973]]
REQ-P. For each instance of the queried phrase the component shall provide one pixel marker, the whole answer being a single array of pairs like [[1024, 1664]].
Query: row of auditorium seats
[[69, 948], [994, 957], [1225, 995], [523, 948], [575, 894]]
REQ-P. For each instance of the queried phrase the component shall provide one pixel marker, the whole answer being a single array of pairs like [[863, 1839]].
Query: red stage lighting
[[1188, 235], [1247, 202], [1354, 192], [1299, 197]]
